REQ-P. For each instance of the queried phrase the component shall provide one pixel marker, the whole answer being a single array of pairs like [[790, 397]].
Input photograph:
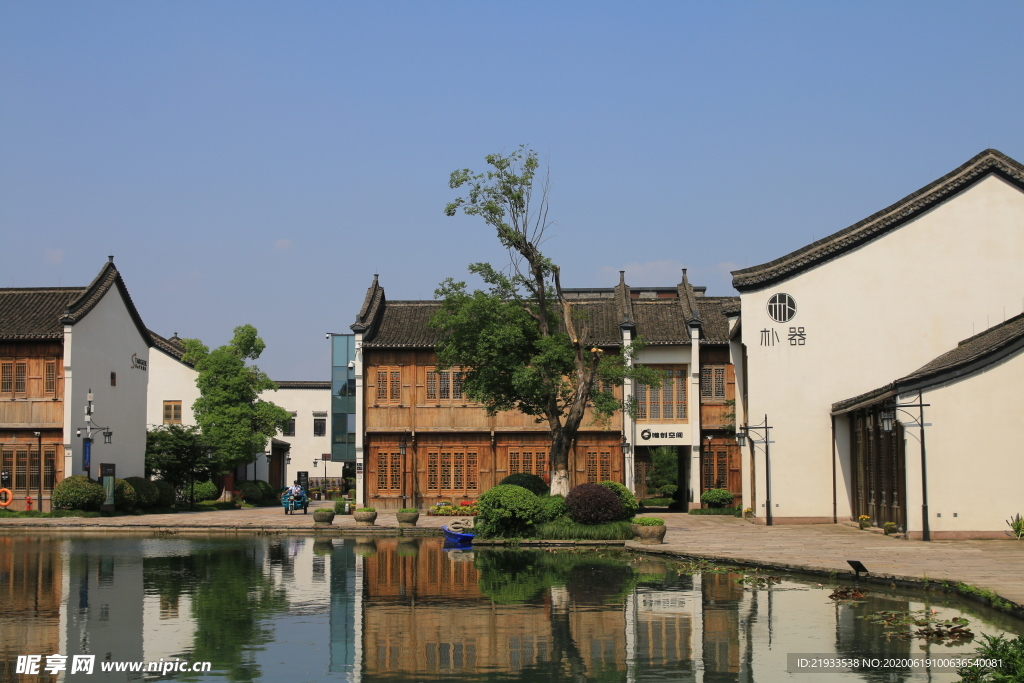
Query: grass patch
[[564, 529], [733, 512], [56, 513]]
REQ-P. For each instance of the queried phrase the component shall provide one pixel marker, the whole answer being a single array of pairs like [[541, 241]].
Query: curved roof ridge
[[989, 162]]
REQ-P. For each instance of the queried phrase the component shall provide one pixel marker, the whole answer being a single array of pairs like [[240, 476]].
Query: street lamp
[[741, 440], [888, 418], [87, 442]]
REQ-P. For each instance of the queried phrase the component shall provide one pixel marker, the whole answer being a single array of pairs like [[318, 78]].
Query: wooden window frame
[[170, 420], [651, 404], [714, 382], [50, 377], [453, 471], [7, 377], [444, 387], [387, 385], [20, 378], [598, 464], [529, 459], [289, 427], [319, 426]]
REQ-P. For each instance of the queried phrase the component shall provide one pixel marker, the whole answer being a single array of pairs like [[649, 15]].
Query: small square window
[[172, 412], [113, 379], [289, 427]]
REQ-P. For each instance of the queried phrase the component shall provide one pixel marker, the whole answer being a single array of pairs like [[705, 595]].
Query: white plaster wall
[[104, 341], [170, 380], [873, 315], [971, 426], [305, 447]]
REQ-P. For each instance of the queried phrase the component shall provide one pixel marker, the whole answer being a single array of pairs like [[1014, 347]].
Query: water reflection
[[405, 609]]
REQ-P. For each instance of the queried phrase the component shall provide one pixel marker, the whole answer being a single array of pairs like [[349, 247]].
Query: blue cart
[[293, 504]]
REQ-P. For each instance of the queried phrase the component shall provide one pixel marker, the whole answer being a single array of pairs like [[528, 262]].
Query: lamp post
[[888, 419], [741, 440], [87, 441]]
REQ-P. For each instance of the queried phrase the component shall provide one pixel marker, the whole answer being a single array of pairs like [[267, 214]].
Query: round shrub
[[716, 498], [267, 491], [252, 493], [551, 508], [507, 511], [626, 497], [668, 490], [203, 490], [77, 493], [125, 497], [530, 482], [146, 493], [593, 504], [165, 493]]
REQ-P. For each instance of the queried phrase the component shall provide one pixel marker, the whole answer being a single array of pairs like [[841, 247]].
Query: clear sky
[[256, 162]]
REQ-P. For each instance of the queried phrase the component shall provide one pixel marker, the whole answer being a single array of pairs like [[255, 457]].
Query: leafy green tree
[[181, 456], [665, 468], [520, 343], [234, 420]]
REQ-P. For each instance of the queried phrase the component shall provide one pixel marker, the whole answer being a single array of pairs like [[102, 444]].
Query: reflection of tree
[[231, 600]]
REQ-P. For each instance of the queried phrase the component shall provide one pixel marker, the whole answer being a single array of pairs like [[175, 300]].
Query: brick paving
[[823, 548]]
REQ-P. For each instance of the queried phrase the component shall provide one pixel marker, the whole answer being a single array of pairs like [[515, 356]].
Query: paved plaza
[[995, 565]]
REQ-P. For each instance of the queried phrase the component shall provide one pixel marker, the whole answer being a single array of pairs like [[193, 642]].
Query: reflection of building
[[58, 347], [854, 311], [31, 576], [421, 440]]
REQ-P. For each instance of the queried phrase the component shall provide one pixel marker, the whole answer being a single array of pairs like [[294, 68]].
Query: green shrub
[[165, 493], [530, 482], [649, 521], [564, 529], [507, 511], [267, 492], [339, 507], [1008, 653], [406, 510], [78, 493], [667, 490], [593, 504], [252, 493], [626, 497], [125, 497], [716, 498], [366, 510], [203, 490], [146, 493], [735, 512], [657, 502], [551, 508]]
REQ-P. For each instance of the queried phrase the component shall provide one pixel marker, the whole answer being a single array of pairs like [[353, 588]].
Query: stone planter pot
[[407, 519], [651, 535], [323, 517], [865, 524], [365, 518]]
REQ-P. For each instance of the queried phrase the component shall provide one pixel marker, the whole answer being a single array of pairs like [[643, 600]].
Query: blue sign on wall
[[86, 454]]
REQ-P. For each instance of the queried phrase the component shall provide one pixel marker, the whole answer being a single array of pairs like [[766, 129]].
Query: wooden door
[[720, 467], [879, 470]]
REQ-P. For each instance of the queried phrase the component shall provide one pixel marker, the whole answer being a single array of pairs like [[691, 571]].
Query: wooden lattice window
[[716, 470], [49, 467], [712, 383], [444, 386], [7, 377], [20, 375], [389, 469], [667, 403], [50, 377], [599, 465], [452, 470], [529, 460], [172, 412], [389, 385]]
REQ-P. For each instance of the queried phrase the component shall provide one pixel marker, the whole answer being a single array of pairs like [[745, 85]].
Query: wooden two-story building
[[58, 346], [419, 439]]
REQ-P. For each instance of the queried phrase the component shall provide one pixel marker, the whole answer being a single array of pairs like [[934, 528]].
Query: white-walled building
[[872, 302], [173, 391], [61, 347]]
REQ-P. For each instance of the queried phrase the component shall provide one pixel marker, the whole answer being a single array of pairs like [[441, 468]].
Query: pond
[[277, 608]]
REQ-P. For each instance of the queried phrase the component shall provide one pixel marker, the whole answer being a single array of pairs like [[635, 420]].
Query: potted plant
[[864, 521], [323, 517], [407, 517], [889, 528], [649, 530], [365, 516]]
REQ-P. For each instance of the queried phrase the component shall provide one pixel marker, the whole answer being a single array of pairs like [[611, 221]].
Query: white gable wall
[[170, 380], [106, 340], [870, 316]]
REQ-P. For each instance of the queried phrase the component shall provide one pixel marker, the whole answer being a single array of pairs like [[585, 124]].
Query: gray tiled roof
[[713, 315], [403, 324], [172, 347], [910, 207], [970, 355], [302, 384], [41, 313]]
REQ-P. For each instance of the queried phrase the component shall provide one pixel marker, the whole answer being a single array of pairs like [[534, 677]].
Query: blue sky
[[254, 162]]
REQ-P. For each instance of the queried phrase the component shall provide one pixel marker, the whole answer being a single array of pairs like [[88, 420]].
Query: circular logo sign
[[781, 308], [646, 435]]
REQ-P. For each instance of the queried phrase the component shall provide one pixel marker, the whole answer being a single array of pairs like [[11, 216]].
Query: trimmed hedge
[[125, 497], [77, 493], [717, 511], [551, 508], [146, 493], [269, 494], [203, 490], [593, 504], [530, 482], [252, 493], [165, 493], [626, 497], [507, 511], [716, 498]]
